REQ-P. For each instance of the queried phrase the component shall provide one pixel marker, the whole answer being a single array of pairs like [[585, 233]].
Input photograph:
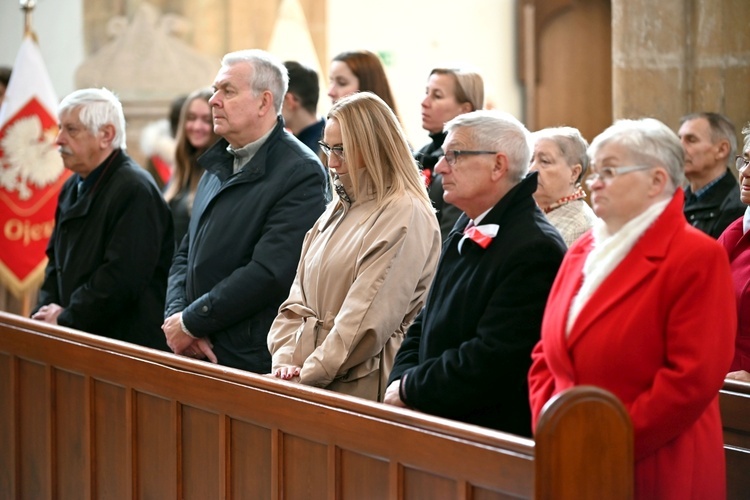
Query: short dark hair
[[303, 84], [4, 75]]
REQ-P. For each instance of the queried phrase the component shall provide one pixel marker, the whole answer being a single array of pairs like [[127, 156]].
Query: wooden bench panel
[[33, 431], [71, 434], [201, 454], [7, 424], [362, 475], [155, 446], [252, 460], [111, 448]]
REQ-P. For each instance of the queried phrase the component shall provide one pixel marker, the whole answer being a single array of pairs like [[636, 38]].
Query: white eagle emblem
[[29, 157]]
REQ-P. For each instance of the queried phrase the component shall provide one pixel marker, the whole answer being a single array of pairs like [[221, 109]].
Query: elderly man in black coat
[[110, 251], [262, 191], [467, 354]]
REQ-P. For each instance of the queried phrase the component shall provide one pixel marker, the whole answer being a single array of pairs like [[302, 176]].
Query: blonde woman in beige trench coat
[[366, 264]]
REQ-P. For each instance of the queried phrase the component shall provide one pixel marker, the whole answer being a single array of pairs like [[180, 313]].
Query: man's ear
[[106, 135], [723, 149], [266, 103], [290, 101], [500, 167]]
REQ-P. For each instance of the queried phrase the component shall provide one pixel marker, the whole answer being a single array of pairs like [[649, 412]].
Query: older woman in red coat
[[643, 307], [736, 241]]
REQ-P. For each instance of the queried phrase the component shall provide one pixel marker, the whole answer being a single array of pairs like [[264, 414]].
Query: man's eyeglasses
[[337, 150], [451, 156], [741, 163], [606, 174]]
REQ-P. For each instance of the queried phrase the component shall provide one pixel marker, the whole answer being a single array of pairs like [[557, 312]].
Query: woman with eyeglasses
[[560, 158], [366, 264], [643, 307], [737, 244]]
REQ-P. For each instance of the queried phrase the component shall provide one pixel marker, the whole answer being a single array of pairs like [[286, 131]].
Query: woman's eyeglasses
[[337, 150], [606, 174]]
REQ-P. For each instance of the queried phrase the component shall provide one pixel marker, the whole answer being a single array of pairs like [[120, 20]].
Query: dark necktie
[[78, 193]]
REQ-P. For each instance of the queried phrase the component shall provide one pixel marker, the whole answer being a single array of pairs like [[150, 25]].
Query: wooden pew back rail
[[87, 417]]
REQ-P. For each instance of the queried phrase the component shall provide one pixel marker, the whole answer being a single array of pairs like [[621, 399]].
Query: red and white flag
[[31, 170]]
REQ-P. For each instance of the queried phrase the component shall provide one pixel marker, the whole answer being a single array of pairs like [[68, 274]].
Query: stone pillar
[[673, 57]]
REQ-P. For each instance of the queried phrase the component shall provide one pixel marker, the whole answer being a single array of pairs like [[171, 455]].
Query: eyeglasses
[[451, 156], [741, 163], [606, 174], [337, 150]]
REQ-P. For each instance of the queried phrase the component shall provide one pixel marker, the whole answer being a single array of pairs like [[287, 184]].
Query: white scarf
[[609, 250], [746, 221]]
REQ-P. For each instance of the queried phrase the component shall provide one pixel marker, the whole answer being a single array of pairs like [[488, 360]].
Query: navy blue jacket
[[237, 264]]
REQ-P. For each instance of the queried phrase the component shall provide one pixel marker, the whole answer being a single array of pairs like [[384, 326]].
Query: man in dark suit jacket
[[262, 191], [468, 352], [110, 251]]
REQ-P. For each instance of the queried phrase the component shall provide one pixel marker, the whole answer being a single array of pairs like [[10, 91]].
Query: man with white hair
[[112, 245], [262, 191], [467, 354]]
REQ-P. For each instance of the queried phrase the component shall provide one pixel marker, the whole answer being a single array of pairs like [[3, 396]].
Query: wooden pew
[[87, 417], [734, 400]]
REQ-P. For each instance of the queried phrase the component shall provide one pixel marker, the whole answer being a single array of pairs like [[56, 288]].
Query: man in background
[[112, 245], [261, 192], [712, 199], [300, 108]]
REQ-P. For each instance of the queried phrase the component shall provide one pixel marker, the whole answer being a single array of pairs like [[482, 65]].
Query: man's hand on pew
[[177, 338], [739, 375], [393, 396], [48, 313], [201, 349]]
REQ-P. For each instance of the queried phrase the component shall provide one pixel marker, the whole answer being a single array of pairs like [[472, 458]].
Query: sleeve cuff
[[184, 328], [402, 388]]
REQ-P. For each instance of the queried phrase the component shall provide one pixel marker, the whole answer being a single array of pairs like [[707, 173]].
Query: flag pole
[[27, 6]]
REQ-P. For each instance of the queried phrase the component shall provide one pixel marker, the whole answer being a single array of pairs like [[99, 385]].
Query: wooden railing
[[87, 417], [734, 400]]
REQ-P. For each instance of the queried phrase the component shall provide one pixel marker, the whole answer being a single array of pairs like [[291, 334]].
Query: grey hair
[[722, 129], [269, 73], [98, 107], [648, 142], [498, 131], [571, 143], [746, 133]]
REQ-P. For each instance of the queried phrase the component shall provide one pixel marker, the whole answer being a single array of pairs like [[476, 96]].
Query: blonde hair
[[469, 86], [373, 140]]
